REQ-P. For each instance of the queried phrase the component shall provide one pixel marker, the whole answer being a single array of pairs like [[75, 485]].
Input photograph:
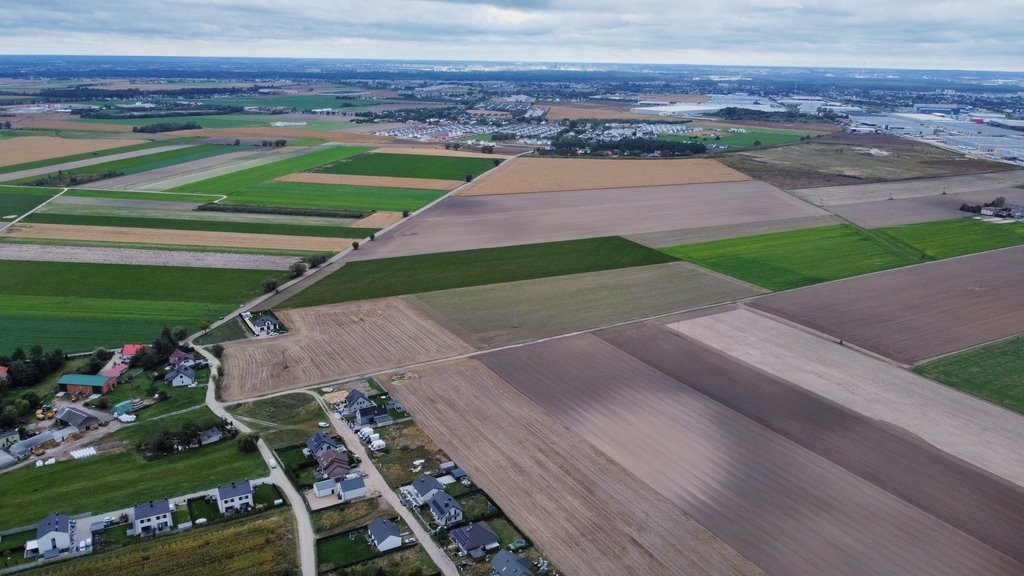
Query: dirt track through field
[[585, 511], [326, 343], [786, 508], [178, 237], [461, 223], [968, 498], [836, 195], [31, 148], [969, 428], [85, 163], [95, 255], [382, 181], [919, 312], [527, 174]]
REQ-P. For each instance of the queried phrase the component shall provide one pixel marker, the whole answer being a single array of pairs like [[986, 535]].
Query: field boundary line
[[30, 212], [969, 348]]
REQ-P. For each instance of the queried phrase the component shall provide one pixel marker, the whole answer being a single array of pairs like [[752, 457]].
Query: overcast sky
[[940, 34]]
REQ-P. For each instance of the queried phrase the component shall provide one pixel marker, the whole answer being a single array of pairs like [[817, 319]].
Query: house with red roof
[[5, 375], [129, 350]]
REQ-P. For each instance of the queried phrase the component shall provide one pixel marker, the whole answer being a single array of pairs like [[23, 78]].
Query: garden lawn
[[949, 238], [203, 225], [410, 166], [994, 372], [173, 399], [233, 329], [75, 157], [78, 306], [366, 279], [343, 550], [785, 260], [15, 201], [70, 487], [335, 197], [241, 180], [412, 561]]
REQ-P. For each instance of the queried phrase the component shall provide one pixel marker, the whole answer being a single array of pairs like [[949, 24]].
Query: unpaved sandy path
[[44, 253]]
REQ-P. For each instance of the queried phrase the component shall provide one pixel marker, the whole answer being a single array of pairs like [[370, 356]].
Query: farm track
[[555, 485]]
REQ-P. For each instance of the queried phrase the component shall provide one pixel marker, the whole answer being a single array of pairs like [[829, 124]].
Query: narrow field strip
[[201, 225]]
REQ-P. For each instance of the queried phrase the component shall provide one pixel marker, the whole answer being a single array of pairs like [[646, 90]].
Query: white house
[[181, 376], [234, 496], [351, 489], [53, 535], [356, 400], [425, 487], [153, 517], [384, 535], [445, 509], [324, 487]]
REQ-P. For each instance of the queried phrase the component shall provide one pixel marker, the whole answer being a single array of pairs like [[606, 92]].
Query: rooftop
[[152, 508], [53, 522], [234, 490]]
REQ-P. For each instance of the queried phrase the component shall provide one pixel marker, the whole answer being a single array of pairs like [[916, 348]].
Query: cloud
[[876, 33]]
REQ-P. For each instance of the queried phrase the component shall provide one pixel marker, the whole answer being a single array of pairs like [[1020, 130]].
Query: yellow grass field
[[31, 148], [378, 220], [383, 181], [181, 237], [525, 175]]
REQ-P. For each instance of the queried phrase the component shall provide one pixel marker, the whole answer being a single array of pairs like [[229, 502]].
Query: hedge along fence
[[281, 210]]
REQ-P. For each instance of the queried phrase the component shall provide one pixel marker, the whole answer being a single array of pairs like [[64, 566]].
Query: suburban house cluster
[[339, 475]]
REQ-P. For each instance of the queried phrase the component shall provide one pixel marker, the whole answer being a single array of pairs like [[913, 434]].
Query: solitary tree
[[247, 442], [179, 333], [269, 284], [216, 350], [296, 269]]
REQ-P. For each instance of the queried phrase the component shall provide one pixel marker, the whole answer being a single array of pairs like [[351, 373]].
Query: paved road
[[83, 163], [375, 479], [303, 522]]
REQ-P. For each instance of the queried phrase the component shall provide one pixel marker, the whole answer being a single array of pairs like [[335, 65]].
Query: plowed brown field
[[326, 343], [65, 122], [29, 148], [525, 175], [384, 181], [587, 513], [182, 237]]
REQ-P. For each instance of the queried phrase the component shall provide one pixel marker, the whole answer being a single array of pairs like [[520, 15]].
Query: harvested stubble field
[[500, 314], [95, 155], [555, 485], [62, 121], [460, 223], [526, 175], [330, 342], [378, 220], [836, 195], [919, 312], [80, 163], [179, 237], [788, 509], [375, 181], [899, 212], [32, 148], [968, 428], [45, 253], [841, 159]]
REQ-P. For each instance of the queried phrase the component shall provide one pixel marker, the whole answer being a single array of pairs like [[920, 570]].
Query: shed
[[79, 419], [324, 487], [85, 384], [351, 488], [122, 408]]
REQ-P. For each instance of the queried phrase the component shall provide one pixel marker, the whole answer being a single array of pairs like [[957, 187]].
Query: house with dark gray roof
[[373, 415], [234, 496], [475, 539], [425, 487], [356, 400], [506, 563], [78, 419], [152, 517], [351, 488], [445, 509], [181, 376], [23, 448], [54, 533], [384, 535], [319, 442]]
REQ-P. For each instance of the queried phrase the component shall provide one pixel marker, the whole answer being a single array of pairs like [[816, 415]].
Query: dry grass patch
[[525, 175], [31, 148], [327, 343], [378, 220], [381, 181], [178, 237], [65, 122]]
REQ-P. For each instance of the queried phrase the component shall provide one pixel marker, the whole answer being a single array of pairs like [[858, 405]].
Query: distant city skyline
[[914, 34]]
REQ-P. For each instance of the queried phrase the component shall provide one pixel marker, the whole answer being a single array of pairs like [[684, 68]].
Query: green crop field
[[70, 487], [211, 121], [203, 225], [410, 166], [74, 157], [172, 247], [15, 200], [151, 161], [147, 196], [429, 272], [785, 260], [298, 101], [765, 137], [948, 238], [358, 198], [79, 306], [994, 372], [244, 179]]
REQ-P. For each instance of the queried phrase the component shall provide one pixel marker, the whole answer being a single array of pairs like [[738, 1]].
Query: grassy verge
[[994, 372], [785, 260], [411, 166], [203, 225], [413, 274]]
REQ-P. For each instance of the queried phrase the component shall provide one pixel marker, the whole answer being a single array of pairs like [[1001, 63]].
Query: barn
[[84, 384]]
